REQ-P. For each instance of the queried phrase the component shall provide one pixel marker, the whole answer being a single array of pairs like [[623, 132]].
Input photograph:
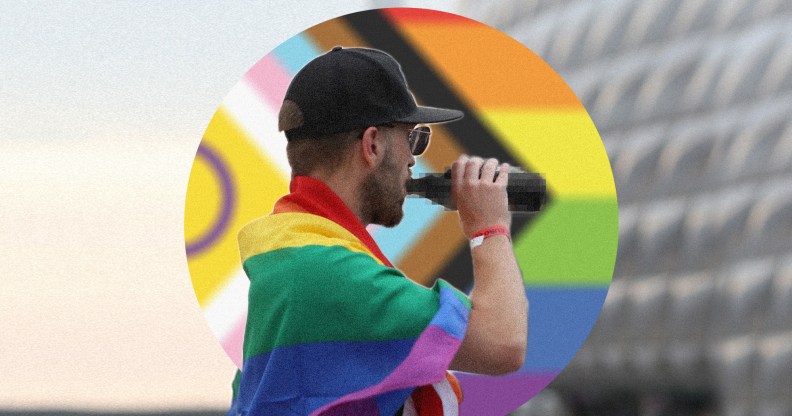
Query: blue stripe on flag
[[452, 316], [560, 319], [419, 215], [296, 52], [318, 373]]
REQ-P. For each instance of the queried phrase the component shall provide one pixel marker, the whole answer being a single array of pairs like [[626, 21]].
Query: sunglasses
[[418, 138]]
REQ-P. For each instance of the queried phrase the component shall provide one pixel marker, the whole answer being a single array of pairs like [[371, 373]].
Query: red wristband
[[478, 238]]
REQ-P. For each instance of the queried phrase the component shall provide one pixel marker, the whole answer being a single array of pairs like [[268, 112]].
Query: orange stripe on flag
[[509, 76], [455, 385]]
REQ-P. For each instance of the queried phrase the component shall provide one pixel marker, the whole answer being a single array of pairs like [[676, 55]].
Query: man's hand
[[480, 198]]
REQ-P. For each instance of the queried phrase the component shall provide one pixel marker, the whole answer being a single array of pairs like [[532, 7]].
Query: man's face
[[384, 189]]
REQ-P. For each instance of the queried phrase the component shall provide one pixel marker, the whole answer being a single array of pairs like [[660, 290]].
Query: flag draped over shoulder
[[333, 328]]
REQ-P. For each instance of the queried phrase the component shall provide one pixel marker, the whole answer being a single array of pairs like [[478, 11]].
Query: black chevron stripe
[[469, 132]]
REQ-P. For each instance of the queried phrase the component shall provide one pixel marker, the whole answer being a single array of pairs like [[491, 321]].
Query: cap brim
[[431, 115]]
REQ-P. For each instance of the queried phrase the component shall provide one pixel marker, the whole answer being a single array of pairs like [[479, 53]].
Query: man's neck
[[346, 187]]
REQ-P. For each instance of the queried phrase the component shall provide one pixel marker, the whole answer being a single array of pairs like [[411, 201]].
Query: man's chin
[[395, 219]]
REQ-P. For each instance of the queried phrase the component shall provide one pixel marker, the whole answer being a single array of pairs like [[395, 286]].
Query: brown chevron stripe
[[333, 33], [425, 260]]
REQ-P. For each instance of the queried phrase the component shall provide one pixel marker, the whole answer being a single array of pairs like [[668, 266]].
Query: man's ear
[[373, 147]]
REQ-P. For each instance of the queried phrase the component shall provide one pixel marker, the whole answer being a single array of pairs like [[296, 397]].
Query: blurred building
[[693, 101]]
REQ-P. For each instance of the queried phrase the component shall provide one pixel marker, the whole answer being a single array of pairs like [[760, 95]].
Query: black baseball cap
[[351, 88]]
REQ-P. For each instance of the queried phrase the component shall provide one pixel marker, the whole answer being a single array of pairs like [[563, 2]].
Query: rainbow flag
[[333, 328]]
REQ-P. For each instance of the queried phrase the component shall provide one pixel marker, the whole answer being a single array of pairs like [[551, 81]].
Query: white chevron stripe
[[259, 121], [448, 397], [409, 408], [229, 306]]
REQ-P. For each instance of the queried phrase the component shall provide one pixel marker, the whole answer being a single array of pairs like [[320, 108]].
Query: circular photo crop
[[517, 109]]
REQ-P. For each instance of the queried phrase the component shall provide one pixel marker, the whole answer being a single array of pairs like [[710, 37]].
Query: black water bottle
[[526, 191]]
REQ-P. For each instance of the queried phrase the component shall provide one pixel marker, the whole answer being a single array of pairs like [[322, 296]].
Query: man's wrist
[[479, 237]]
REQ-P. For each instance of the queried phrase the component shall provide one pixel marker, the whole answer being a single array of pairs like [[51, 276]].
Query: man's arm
[[497, 332]]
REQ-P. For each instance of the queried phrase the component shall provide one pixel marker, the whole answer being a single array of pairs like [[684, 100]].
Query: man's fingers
[[457, 178], [488, 170], [503, 174], [458, 169], [473, 168]]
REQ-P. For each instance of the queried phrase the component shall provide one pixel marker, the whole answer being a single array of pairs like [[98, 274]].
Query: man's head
[[348, 114]]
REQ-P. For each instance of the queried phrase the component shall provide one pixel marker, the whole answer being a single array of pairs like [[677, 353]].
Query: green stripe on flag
[[320, 293], [572, 243]]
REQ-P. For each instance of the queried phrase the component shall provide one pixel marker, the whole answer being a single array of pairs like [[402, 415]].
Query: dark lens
[[419, 139]]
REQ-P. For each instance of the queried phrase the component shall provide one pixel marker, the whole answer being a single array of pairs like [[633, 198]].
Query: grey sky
[[87, 69]]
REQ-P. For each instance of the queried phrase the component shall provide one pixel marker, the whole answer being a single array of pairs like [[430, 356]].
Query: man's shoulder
[[305, 233]]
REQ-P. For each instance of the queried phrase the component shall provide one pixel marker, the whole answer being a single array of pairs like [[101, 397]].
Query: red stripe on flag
[[427, 401], [407, 15]]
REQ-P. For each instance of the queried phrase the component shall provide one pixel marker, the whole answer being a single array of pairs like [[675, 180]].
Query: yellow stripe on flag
[[562, 145], [295, 229]]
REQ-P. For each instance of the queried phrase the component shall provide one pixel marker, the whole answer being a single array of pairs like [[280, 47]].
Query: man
[[333, 328]]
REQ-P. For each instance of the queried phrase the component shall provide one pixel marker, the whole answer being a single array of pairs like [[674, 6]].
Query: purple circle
[[228, 197]]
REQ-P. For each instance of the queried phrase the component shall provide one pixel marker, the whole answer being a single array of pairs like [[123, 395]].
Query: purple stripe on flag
[[426, 364], [228, 200], [484, 395]]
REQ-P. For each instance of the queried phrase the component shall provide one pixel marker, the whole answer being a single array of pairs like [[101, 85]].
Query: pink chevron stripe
[[426, 364], [232, 342], [269, 80], [373, 228]]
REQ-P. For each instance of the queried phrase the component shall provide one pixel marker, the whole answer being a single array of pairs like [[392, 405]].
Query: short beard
[[381, 196]]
